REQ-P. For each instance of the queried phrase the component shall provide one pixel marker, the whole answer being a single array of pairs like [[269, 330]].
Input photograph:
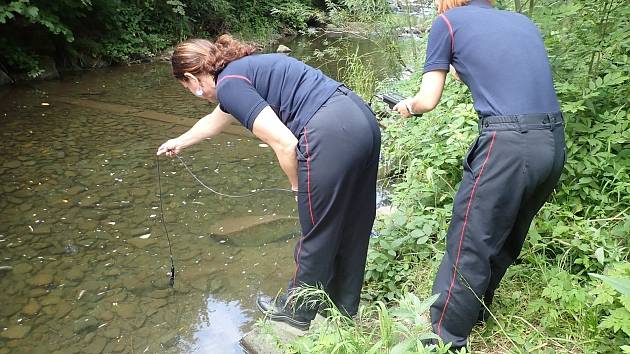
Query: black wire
[[171, 281], [224, 194]]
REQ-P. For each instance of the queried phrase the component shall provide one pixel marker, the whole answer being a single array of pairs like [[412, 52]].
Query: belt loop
[[522, 126], [552, 121]]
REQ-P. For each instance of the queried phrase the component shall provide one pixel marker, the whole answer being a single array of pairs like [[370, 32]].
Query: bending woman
[[327, 142], [512, 167]]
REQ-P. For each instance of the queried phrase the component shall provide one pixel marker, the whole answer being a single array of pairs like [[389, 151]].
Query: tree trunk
[[517, 5]]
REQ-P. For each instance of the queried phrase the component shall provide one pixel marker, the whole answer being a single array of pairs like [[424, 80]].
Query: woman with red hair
[[327, 142], [512, 167]]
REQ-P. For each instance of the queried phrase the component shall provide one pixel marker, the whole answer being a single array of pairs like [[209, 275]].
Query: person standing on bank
[[327, 142], [511, 168]]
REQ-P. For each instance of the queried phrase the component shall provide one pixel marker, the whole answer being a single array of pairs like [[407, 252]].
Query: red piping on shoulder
[[450, 30], [233, 77]]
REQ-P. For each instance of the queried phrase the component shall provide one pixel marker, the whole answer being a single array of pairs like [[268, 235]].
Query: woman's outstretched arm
[[207, 127], [427, 98]]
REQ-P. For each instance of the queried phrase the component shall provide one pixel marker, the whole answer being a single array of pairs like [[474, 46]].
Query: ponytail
[[200, 56]]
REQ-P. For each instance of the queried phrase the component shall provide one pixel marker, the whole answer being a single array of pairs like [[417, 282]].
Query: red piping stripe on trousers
[[461, 238], [310, 204]]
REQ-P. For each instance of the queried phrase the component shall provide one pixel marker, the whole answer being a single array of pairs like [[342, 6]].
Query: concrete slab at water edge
[[265, 339]]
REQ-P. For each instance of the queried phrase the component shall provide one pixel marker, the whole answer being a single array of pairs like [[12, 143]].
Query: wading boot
[[276, 310]]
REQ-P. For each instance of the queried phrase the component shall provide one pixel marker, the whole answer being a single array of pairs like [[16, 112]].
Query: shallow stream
[[83, 256]]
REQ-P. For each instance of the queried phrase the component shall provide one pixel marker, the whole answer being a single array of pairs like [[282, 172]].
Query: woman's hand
[[428, 97], [403, 107], [171, 147]]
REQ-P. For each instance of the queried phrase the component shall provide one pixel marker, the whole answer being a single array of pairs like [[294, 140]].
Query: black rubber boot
[[275, 310]]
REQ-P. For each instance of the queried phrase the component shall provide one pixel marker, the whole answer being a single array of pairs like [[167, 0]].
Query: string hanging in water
[[171, 281]]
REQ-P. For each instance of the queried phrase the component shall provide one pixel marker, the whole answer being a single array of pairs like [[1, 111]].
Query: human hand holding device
[[399, 103]]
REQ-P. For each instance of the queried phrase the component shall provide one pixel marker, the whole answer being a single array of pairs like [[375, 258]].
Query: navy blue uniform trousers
[[338, 154], [509, 172]]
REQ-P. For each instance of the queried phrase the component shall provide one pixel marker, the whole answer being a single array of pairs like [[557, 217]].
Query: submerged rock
[[112, 332], [74, 274], [85, 324], [32, 308], [41, 279], [96, 346], [15, 332], [22, 268], [126, 310], [8, 310]]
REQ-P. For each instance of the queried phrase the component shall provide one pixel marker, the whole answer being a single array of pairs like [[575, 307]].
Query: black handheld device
[[391, 99]]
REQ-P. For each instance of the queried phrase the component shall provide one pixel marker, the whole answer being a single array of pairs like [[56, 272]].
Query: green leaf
[[622, 285], [32, 11], [402, 347], [599, 254]]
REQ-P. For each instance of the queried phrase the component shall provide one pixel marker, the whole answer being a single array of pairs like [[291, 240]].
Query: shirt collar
[[480, 3]]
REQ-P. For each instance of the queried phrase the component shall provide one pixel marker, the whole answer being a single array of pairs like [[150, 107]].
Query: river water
[[83, 256]]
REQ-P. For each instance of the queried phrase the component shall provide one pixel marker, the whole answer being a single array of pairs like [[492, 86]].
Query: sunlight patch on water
[[219, 330]]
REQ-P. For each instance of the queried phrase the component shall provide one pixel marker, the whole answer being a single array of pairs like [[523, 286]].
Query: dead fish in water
[[7, 268]]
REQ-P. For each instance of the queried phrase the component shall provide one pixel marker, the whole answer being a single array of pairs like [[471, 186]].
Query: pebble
[[63, 308], [16, 332], [85, 324], [126, 310], [169, 339], [94, 285], [118, 296], [112, 332], [32, 308], [75, 190], [96, 346], [41, 279], [37, 292], [41, 230], [12, 164], [50, 300], [8, 310], [74, 274], [105, 315], [139, 320], [25, 207]]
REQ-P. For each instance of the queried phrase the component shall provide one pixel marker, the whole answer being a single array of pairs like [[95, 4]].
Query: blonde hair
[[445, 5]]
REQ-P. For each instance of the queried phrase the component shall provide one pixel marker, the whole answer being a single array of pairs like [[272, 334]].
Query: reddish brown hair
[[200, 56], [445, 5]]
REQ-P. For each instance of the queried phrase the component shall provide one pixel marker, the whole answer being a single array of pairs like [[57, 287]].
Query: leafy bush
[[583, 229], [122, 31]]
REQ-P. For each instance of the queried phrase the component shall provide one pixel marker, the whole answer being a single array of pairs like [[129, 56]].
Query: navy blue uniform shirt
[[294, 90], [499, 55]]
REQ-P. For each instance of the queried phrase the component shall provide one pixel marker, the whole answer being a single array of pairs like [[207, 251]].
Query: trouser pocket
[[470, 155]]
